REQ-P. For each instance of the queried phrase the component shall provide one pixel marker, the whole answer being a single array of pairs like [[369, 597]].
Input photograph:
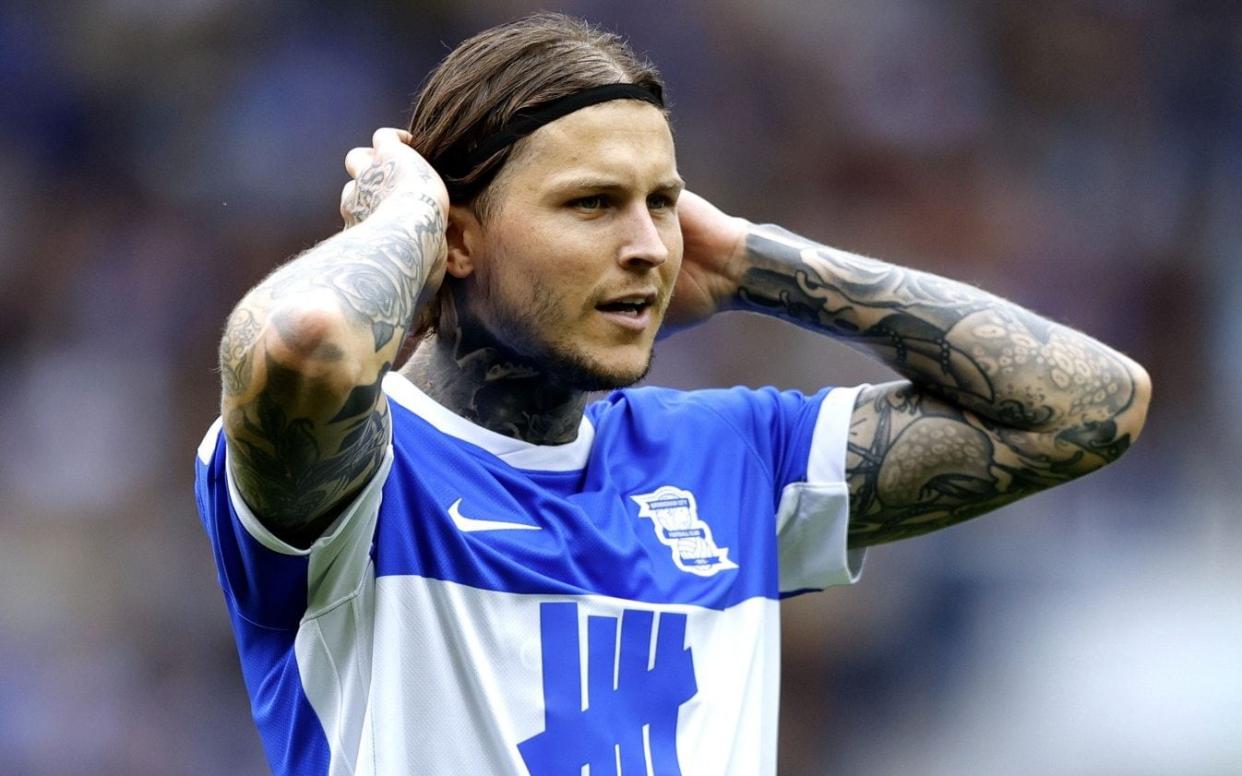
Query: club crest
[[675, 517]]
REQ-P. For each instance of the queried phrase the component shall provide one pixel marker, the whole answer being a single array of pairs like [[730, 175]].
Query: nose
[[643, 245]]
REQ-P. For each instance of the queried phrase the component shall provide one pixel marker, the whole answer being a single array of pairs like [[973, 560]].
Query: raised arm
[[998, 403], [305, 351]]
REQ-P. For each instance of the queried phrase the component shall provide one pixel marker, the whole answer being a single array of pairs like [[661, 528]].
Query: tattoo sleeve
[[998, 403], [303, 357]]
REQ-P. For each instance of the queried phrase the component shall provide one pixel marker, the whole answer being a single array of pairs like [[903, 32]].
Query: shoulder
[[761, 418], [734, 403], [673, 399]]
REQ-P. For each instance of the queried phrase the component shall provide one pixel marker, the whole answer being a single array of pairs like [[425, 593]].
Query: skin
[[304, 352], [996, 403], [586, 214]]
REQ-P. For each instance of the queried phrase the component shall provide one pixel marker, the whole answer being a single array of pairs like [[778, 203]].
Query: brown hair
[[481, 84], [479, 87]]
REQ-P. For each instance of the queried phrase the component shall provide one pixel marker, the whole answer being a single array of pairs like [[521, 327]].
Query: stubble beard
[[525, 335]]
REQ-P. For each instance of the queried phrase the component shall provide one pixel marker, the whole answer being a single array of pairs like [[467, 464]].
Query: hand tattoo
[[373, 185]]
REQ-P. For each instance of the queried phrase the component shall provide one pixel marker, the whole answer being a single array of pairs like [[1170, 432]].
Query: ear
[[465, 238]]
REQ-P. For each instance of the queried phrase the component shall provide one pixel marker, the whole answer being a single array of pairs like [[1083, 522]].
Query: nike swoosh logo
[[470, 524]]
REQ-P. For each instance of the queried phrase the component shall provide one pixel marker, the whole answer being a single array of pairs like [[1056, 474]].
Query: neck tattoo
[[462, 368]]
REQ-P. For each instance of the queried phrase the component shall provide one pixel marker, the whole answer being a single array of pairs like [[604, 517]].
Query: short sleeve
[[267, 581], [812, 519]]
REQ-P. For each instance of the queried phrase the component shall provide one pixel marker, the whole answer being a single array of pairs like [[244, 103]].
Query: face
[[575, 264]]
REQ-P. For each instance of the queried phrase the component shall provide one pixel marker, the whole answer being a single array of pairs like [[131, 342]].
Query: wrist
[[740, 261], [409, 203]]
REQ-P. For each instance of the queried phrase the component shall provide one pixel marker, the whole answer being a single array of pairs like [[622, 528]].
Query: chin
[[598, 372]]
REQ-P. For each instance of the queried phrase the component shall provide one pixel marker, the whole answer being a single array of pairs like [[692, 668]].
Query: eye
[[660, 201], [592, 202]]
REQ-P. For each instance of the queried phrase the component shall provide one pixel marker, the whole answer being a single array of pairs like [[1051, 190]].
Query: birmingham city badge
[[675, 517]]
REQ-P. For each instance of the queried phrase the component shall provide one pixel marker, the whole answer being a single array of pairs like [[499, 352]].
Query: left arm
[[998, 403]]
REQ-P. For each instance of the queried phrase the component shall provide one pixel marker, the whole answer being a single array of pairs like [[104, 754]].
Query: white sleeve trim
[[207, 447], [812, 521], [831, 437], [339, 561], [260, 533]]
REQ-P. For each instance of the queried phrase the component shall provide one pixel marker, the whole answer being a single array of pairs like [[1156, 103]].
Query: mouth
[[633, 311]]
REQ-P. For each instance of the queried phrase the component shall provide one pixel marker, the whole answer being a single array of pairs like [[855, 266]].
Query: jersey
[[489, 606]]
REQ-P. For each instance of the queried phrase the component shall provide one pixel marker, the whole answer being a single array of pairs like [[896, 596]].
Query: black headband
[[456, 162]]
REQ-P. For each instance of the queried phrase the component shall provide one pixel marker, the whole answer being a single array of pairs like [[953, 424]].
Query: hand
[[712, 265], [387, 170]]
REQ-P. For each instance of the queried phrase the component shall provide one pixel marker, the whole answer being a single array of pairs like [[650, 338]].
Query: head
[[553, 237]]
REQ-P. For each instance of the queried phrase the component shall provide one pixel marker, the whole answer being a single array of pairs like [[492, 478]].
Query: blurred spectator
[[1083, 157]]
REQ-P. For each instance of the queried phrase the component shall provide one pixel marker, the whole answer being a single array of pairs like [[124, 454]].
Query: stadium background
[[1083, 157]]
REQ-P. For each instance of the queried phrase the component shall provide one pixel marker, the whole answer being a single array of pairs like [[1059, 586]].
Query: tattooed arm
[[998, 403], [304, 352]]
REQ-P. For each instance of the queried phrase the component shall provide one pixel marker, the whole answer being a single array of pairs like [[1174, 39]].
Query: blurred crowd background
[[1082, 157]]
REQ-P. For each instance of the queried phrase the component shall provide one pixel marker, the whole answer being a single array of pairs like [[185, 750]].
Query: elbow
[[1106, 439], [318, 345], [297, 346], [306, 337], [1135, 417]]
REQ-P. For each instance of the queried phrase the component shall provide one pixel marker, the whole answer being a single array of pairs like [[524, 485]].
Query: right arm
[[305, 352]]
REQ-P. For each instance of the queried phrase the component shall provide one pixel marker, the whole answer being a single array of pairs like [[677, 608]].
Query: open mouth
[[632, 307], [634, 312]]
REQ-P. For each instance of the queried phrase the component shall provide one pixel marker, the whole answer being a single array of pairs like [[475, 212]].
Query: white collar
[[570, 456]]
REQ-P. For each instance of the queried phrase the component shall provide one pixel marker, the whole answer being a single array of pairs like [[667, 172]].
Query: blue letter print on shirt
[[631, 702]]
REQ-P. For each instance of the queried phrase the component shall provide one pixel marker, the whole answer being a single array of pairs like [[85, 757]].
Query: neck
[[463, 369]]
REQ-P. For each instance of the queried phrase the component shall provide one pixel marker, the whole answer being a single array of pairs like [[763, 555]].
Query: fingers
[[388, 136], [349, 203], [384, 138], [389, 165], [358, 160]]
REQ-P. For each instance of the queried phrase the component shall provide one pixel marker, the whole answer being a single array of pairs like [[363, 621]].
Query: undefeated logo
[[675, 516], [637, 677]]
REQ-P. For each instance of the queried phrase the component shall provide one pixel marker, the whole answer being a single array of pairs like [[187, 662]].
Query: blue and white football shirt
[[489, 606]]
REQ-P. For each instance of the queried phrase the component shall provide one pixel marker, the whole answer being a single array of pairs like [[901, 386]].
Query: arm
[[305, 351], [998, 403]]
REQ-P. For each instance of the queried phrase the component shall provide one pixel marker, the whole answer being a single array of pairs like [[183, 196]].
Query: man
[[462, 566]]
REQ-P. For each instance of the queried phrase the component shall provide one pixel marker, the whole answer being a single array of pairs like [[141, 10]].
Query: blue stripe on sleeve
[[265, 587], [266, 594]]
